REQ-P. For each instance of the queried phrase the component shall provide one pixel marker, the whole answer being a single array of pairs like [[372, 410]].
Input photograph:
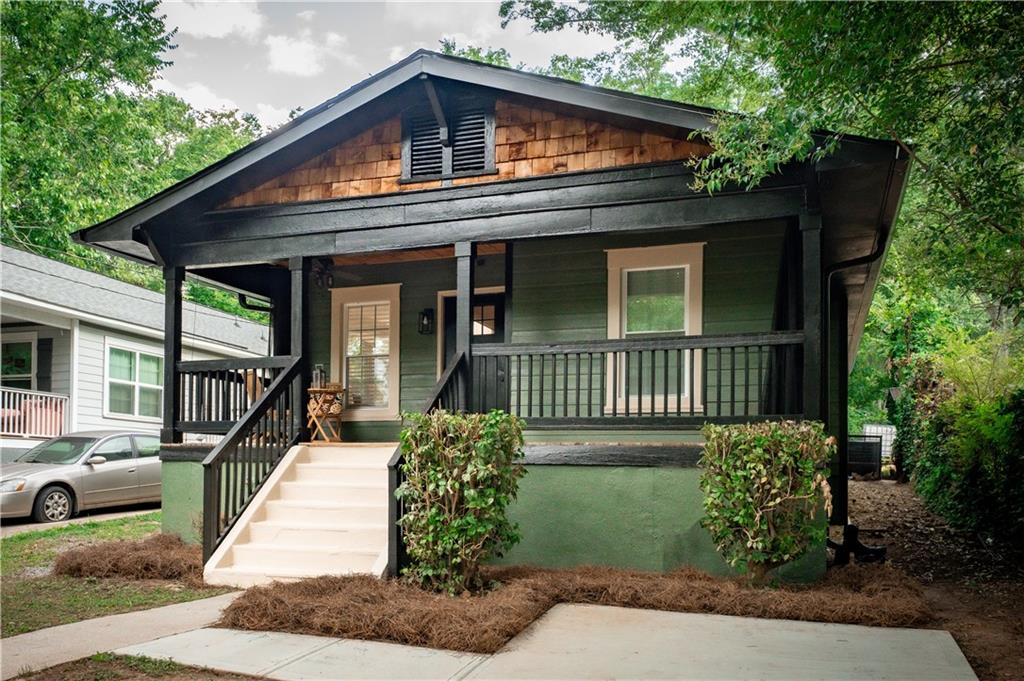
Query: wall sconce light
[[426, 321], [322, 274]]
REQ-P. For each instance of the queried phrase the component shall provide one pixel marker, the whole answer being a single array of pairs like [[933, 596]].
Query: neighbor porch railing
[[31, 413], [240, 463], [653, 381]]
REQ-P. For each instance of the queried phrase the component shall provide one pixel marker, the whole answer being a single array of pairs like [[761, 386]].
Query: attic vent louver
[[472, 142]]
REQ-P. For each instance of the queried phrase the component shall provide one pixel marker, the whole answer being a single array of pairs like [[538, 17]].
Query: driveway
[[595, 642]]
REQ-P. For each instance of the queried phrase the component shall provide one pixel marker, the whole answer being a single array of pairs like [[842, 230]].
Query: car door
[[113, 482], [148, 451]]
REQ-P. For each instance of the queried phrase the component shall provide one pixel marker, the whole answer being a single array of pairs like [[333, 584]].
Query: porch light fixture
[[425, 325]]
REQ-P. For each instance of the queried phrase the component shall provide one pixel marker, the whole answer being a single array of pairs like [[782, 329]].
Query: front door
[[113, 482], [490, 374]]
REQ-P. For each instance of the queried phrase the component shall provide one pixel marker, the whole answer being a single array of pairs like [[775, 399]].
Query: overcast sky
[[270, 57]]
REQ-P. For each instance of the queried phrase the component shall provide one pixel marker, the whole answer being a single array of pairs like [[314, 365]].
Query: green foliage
[[950, 92], [763, 485], [86, 135], [961, 430], [460, 476]]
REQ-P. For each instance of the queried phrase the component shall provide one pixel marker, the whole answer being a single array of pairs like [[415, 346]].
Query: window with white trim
[[365, 326], [655, 291], [18, 352], [135, 382]]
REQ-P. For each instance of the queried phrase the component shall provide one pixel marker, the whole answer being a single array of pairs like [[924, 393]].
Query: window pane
[[149, 401], [151, 369], [17, 359], [367, 381], [22, 383], [116, 449], [122, 364], [148, 445], [120, 398], [655, 300]]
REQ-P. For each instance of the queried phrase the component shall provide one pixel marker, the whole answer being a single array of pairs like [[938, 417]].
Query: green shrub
[[460, 476], [763, 485]]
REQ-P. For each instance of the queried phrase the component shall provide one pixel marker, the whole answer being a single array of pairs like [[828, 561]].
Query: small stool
[[324, 413]]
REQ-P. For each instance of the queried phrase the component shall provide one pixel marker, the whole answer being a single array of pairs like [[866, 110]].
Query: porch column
[[465, 261], [813, 393], [174, 277], [298, 339]]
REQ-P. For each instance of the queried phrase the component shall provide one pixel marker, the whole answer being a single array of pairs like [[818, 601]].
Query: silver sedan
[[79, 471]]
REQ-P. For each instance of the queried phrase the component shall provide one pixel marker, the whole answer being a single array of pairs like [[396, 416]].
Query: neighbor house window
[[655, 291], [19, 361], [134, 382], [471, 137], [365, 357]]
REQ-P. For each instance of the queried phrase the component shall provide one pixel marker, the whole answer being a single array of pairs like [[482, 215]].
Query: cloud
[[303, 56], [198, 95], [215, 19], [306, 15], [270, 115]]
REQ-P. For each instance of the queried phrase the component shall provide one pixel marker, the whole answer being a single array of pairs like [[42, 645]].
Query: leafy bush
[[763, 485], [460, 476]]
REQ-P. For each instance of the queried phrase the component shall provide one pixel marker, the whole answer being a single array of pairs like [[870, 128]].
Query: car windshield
[[58, 450]]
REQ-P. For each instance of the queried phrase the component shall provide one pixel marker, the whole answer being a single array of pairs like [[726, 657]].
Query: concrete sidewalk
[[67, 642], [594, 642]]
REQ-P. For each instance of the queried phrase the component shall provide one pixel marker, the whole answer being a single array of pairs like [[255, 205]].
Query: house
[[453, 234], [82, 351]]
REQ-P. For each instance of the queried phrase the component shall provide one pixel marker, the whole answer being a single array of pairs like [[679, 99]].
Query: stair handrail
[[449, 380], [214, 531]]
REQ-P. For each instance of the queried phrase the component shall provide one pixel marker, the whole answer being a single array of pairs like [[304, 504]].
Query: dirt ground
[[974, 592]]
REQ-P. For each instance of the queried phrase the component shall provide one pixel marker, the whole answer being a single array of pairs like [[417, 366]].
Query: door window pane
[[367, 348], [116, 449], [484, 320], [655, 300]]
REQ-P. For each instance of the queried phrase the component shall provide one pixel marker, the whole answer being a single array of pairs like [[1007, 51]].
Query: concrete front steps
[[323, 511]]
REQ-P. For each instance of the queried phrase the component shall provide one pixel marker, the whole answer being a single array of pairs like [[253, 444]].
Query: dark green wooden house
[[448, 233]]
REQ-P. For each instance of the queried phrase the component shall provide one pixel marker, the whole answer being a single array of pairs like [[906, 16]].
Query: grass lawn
[[32, 598], [110, 667]]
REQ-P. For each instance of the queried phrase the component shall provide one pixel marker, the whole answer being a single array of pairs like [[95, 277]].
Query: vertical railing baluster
[[732, 381], [615, 383]]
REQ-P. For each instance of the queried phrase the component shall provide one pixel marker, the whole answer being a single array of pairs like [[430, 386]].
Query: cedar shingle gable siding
[[529, 141]]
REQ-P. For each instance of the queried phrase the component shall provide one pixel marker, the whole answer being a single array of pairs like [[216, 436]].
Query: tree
[[944, 81], [85, 135]]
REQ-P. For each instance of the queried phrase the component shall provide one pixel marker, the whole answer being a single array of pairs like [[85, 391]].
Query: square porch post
[[174, 277], [298, 339], [465, 262], [813, 391]]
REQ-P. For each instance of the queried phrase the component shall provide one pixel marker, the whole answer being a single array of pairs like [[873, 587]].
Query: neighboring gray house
[[83, 351]]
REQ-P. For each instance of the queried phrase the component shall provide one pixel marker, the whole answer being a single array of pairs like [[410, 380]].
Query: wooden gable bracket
[[438, 109]]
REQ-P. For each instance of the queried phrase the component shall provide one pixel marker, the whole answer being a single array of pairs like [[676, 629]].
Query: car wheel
[[53, 505]]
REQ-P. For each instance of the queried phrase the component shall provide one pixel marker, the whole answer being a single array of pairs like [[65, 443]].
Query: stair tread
[[321, 483], [315, 548], [318, 526], [282, 572], [313, 503]]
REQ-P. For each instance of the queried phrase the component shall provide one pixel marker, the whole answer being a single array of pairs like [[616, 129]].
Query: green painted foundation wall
[[182, 503], [627, 517]]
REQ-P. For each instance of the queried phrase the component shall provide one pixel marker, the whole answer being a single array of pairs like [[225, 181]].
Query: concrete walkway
[[595, 642], [67, 642]]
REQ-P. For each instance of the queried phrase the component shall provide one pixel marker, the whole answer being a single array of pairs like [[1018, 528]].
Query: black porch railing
[[240, 463], [449, 393], [677, 381], [214, 394]]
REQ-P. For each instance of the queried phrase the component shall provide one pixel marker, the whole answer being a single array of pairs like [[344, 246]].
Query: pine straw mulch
[[367, 608], [162, 556]]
